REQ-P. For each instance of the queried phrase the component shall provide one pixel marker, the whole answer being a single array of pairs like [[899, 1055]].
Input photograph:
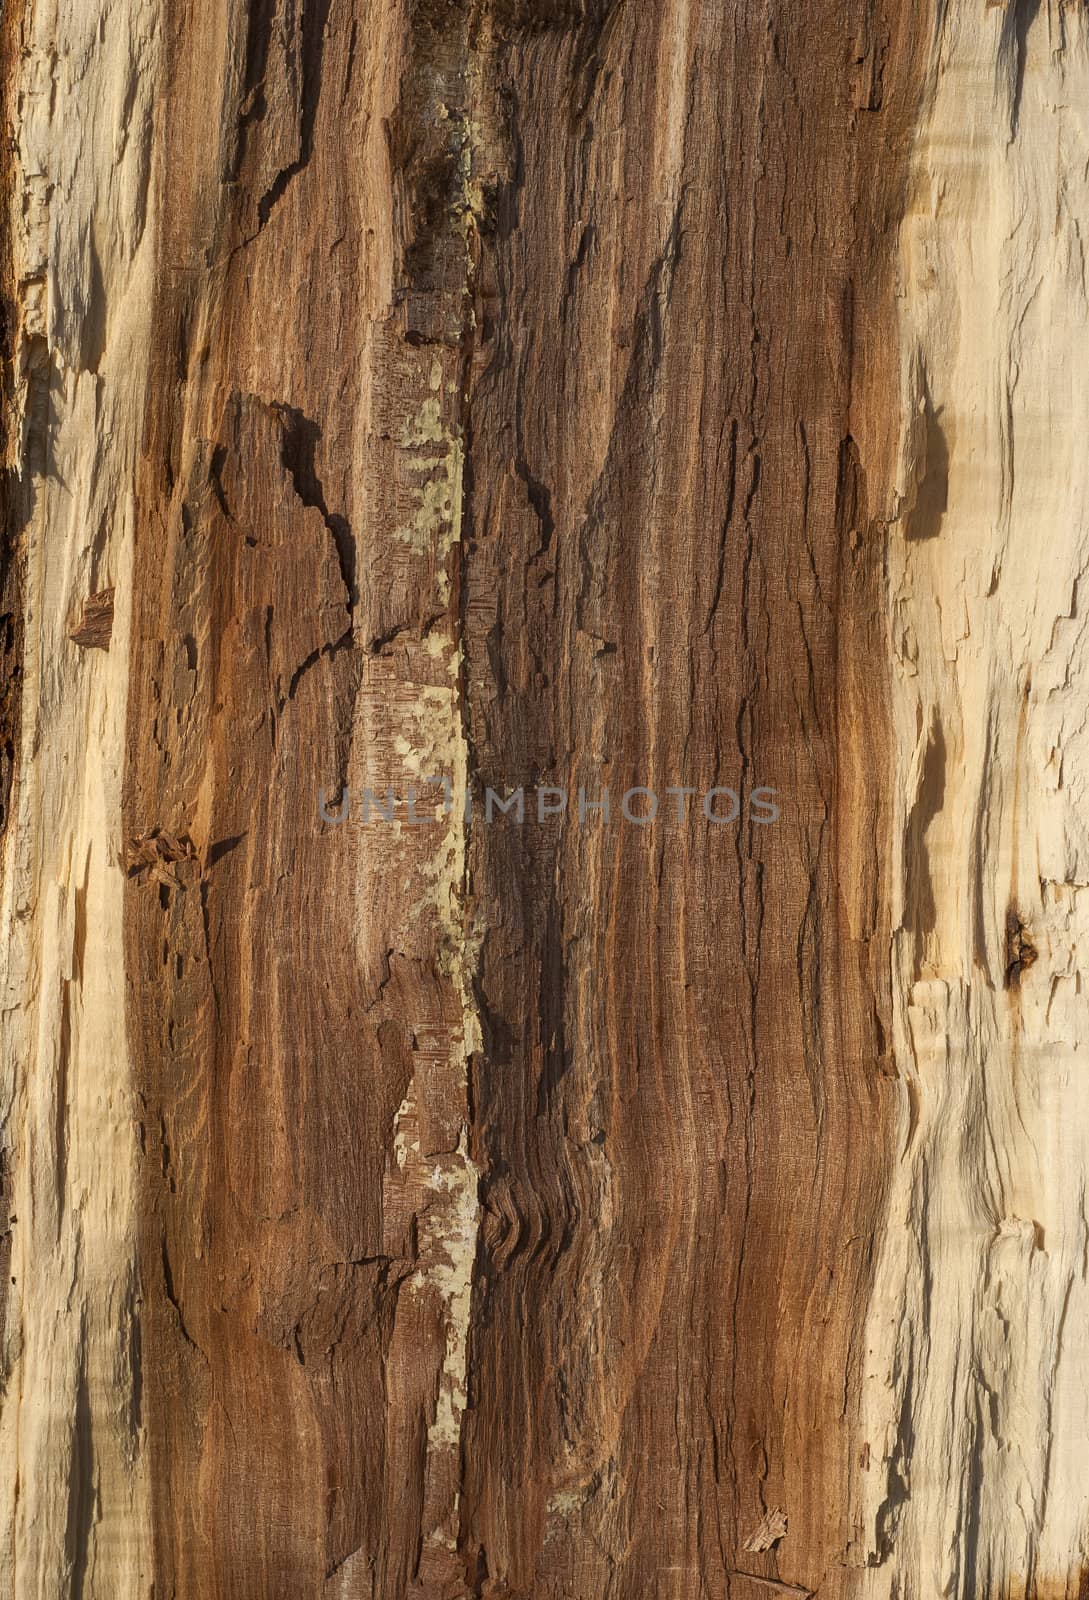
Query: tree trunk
[[414, 405]]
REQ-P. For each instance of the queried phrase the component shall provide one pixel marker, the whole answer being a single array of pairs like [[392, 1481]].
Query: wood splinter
[[95, 626]]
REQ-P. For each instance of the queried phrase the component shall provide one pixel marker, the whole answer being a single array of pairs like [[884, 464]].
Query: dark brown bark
[[638, 251], [672, 578]]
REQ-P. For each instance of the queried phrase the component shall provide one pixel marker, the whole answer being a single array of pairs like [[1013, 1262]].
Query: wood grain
[[414, 403], [672, 544]]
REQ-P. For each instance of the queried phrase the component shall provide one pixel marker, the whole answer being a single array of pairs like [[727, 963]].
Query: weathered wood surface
[[544, 393]]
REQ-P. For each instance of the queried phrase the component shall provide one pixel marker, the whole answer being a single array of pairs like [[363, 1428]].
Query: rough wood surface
[[557, 396]]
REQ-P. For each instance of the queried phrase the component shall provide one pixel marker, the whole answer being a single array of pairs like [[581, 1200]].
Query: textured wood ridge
[[544, 395]]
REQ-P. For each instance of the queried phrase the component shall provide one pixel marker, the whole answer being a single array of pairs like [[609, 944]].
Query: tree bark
[[413, 405]]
